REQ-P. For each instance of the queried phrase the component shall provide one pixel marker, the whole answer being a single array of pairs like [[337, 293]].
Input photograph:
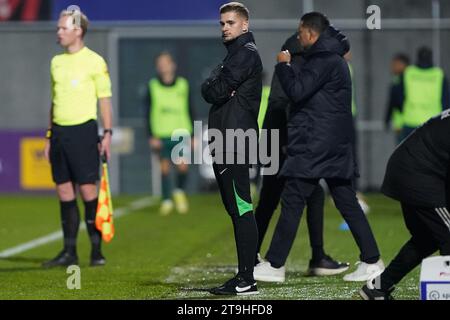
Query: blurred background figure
[[422, 92], [393, 116], [169, 109]]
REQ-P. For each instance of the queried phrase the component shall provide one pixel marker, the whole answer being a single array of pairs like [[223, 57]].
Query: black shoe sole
[[233, 293], [247, 293], [365, 296], [222, 293]]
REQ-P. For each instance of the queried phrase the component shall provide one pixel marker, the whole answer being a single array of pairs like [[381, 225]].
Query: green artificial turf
[[174, 257]]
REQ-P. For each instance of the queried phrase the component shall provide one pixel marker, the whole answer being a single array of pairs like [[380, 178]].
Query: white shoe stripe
[[446, 217], [240, 290], [440, 215], [446, 213], [443, 217]]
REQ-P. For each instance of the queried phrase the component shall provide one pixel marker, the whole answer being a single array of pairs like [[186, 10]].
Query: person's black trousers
[[430, 231], [234, 185], [293, 199], [270, 195]]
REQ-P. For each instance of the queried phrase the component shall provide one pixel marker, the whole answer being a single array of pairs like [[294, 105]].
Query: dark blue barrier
[[143, 10]]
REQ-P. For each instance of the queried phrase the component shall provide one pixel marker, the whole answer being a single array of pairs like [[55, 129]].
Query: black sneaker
[[327, 266], [236, 286], [368, 292], [97, 259], [63, 259]]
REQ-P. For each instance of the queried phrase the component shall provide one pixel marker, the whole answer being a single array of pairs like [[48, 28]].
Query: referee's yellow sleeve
[[102, 81]]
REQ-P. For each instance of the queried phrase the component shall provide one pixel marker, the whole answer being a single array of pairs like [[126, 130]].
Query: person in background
[[393, 115], [169, 110], [422, 92]]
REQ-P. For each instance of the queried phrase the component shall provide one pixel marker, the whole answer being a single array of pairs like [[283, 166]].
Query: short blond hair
[[237, 7], [79, 19]]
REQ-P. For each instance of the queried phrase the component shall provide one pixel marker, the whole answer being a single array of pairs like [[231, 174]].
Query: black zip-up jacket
[[234, 90], [418, 172], [320, 123]]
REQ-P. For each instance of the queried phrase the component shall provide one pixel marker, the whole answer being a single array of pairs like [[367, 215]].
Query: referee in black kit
[[418, 176]]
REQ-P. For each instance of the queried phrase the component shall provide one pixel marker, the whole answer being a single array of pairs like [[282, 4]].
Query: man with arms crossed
[[234, 90]]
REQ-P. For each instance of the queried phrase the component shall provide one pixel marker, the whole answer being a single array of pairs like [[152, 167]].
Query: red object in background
[[23, 10]]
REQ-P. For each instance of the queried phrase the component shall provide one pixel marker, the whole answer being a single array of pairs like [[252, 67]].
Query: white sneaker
[[166, 207], [260, 258], [266, 273], [181, 202], [365, 271]]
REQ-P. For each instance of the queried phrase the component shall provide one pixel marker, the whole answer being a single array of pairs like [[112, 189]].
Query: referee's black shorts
[[74, 154]]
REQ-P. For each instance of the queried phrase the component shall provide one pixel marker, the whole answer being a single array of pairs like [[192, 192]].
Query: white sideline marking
[[120, 212]]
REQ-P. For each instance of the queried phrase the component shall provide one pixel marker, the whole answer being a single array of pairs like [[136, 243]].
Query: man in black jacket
[[418, 176], [320, 144], [234, 90], [321, 264]]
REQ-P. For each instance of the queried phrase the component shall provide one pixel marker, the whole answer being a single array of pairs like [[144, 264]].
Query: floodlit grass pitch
[[154, 257]]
